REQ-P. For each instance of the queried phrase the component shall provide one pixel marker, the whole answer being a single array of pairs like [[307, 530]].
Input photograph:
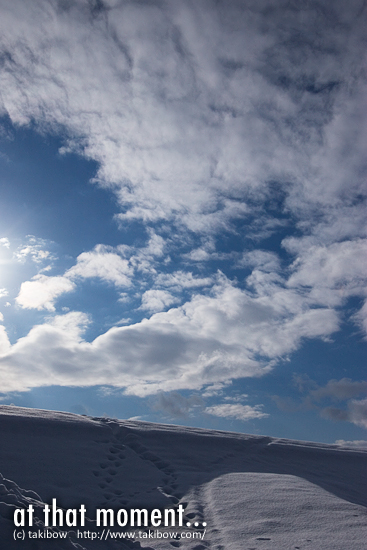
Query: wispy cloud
[[335, 391], [237, 411], [35, 249], [4, 241], [176, 405], [181, 280], [246, 105]]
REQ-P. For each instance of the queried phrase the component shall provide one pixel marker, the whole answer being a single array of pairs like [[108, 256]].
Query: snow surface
[[254, 493]]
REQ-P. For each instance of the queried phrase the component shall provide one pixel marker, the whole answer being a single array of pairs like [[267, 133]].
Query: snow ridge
[[237, 490]]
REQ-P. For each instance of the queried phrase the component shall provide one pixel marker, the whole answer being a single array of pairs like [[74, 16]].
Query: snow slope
[[253, 493]]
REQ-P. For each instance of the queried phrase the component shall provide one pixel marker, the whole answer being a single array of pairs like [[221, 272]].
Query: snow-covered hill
[[234, 491]]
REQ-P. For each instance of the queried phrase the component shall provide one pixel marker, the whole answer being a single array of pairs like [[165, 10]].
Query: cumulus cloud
[[42, 291], [227, 334], [239, 412], [201, 115], [334, 273], [4, 340], [157, 300], [111, 265], [104, 264]]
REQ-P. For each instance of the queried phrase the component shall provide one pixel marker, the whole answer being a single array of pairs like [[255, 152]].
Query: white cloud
[[329, 275], [239, 412], [4, 241], [361, 317], [181, 279], [198, 117], [104, 264], [357, 412], [357, 443], [199, 255], [157, 300], [35, 249], [4, 341], [42, 291], [144, 259], [261, 259], [186, 119], [73, 324], [236, 398], [333, 273], [215, 389], [123, 321], [228, 334], [3, 292]]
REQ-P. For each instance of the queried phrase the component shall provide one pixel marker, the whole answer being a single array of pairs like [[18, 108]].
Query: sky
[[182, 213]]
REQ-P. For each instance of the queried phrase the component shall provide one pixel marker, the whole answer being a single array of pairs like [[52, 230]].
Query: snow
[[245, 492]]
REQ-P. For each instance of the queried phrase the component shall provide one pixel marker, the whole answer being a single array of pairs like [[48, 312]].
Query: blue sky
[[182, 216]]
